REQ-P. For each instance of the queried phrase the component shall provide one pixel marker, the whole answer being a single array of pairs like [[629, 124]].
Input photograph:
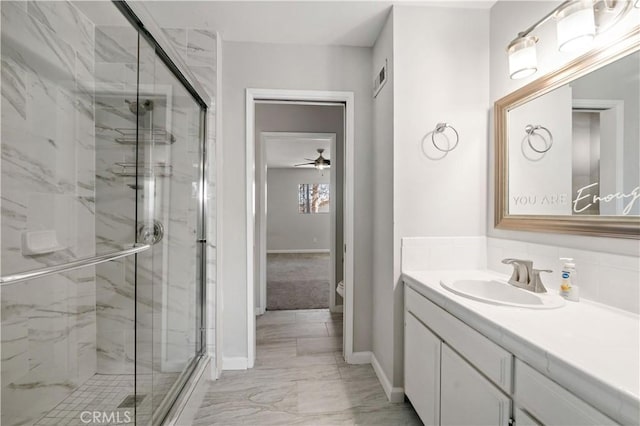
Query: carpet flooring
[[298, 281]]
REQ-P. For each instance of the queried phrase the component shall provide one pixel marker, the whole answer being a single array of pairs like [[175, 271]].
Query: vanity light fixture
[[522, 57], [578, 23]]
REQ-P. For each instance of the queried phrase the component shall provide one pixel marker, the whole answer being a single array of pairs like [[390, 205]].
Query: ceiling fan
[[319, 163]]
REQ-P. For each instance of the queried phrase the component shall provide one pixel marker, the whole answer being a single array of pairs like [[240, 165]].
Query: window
[[313, 198]]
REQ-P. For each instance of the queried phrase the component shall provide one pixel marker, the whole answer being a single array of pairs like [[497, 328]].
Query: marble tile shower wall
[[116, 70], [198, 49], [165, 278], [48, 325]]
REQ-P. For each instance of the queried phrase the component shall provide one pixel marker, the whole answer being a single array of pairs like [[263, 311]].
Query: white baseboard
[[298, 251], [337, 309], [360, 358], [259, 310], [214, 374], [393, 394], [240, 363]]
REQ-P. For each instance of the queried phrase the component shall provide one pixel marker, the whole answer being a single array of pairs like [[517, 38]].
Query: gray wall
[[287, 228], [383, 110], [256, 65]]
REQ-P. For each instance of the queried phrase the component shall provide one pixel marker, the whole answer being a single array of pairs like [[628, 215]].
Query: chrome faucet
[[525, 276]]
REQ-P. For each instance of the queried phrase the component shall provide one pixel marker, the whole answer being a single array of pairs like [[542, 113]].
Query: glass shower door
[[68, 348], [169, 277], [101, 158]]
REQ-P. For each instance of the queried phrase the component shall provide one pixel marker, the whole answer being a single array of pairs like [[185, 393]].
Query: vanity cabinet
[[467, 398], [442, 379], [523, 418], [552, 404], [422, 362], [456, 376]]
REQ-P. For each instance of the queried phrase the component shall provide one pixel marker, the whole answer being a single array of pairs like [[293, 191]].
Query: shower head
[[140, 109]]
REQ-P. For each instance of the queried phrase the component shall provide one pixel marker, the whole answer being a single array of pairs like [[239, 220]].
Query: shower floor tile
[[103, 394]]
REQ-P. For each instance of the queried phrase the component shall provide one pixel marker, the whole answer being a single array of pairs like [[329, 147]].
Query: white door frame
[[303, 137], [253, 95]]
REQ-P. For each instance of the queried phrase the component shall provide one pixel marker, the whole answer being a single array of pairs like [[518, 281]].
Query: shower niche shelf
[[155, 136]]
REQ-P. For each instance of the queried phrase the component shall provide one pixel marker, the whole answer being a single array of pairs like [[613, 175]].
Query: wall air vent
[[380, 79]]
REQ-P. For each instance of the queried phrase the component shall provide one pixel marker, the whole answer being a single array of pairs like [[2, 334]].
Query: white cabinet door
[[467, 397], [422, 369], [524, 419]]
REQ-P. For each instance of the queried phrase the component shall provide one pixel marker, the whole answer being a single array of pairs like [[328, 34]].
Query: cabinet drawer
[[492, 360], [552, 404]]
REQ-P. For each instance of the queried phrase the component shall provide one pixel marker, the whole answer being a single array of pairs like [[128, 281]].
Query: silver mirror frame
[[603, 226]]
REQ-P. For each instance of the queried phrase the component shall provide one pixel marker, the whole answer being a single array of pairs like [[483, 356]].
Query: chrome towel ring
[[440, 128], [531, 131]]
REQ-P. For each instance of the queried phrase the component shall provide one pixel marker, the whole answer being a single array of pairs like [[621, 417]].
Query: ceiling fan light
[[523, 60], [576, 25]]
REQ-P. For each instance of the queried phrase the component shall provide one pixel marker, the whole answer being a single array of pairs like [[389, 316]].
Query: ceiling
[[347, 23], [284, 153]]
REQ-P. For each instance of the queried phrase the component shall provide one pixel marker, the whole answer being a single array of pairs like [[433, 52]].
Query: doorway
[[257, 172], [299, 208]]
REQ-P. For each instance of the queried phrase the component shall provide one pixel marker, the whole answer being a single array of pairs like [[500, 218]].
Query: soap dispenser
[[568, 283]]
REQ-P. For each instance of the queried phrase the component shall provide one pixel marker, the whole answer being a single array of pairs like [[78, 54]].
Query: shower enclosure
[[102, 218]]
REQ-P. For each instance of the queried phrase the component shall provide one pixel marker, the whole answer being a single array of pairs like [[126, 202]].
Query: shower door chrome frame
[[201, 296]]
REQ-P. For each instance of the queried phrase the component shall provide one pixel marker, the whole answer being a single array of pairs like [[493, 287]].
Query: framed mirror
[[568, 147]]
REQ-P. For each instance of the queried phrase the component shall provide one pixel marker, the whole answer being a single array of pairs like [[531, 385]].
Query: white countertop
[[588, 348]]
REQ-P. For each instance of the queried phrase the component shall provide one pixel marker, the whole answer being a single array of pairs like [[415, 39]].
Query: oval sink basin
[[502, 293]]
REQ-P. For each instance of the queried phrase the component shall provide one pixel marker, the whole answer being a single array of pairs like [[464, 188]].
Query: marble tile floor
[[300, 378]]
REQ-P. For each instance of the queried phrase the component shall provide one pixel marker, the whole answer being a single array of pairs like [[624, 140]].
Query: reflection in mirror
[[575, 151]]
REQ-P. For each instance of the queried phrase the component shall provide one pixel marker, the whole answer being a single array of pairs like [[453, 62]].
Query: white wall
[[287, 229], [439, 74], [507, 19], [254, 65]]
